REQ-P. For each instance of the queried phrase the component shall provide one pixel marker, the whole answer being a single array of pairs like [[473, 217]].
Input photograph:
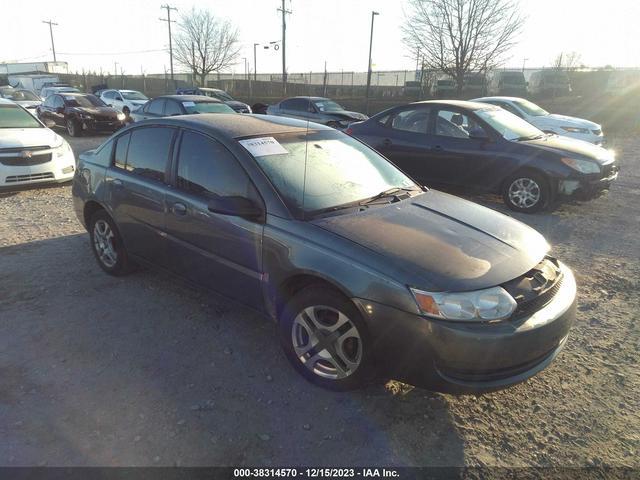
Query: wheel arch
[[90, 208]]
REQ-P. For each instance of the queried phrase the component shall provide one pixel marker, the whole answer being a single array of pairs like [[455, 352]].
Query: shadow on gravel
[[144, 370]]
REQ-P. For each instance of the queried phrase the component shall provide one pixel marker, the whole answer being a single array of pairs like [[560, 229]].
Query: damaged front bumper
[[586, 187]]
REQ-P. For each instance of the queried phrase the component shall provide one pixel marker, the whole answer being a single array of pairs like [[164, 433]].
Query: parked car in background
[[507, 82], [31, 153], [46, 91], [221, 95], [537, 116], [444, 88], [34, 82], [549, 83], [475, 84], [367, 274], [172, 105], [80, 113], [125, 101], [484, 147], [315, 109], [24, 98]]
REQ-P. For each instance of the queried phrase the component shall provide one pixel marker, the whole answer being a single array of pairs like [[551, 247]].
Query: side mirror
[[236, 206], [477, 133]]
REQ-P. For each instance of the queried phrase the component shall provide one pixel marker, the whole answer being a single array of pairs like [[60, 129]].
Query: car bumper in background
[[458, 357]]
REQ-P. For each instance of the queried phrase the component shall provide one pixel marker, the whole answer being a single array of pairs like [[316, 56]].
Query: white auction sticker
[[189, 104], [263, 146]]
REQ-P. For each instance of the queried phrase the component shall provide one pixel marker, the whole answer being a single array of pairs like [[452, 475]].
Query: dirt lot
[[144, 370]]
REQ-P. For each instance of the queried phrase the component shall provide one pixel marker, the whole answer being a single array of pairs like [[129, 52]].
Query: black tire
[[352, 350], [120, 265], [527, 191], [73, 128]]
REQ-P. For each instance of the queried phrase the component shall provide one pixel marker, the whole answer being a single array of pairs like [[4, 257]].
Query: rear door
[[137, 186], [221, 252]]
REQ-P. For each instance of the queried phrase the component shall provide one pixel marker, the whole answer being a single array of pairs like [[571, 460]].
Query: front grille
[[20, 161], [536, 288], [104, 118], [28, 178]]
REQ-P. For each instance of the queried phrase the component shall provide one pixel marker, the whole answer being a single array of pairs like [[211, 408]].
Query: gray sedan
[[367, 273], [316, 109]]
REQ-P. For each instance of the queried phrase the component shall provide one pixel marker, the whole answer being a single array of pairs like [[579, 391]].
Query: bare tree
[[205, 44], [462, 36], [567, 61]]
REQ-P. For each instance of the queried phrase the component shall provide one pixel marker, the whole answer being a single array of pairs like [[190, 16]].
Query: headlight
[[583, 166], [121, 116], [62, 149], [85, 116], [575, 129], [490, 304]]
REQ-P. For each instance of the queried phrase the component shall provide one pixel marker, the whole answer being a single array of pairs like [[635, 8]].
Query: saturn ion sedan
[[367, 274]]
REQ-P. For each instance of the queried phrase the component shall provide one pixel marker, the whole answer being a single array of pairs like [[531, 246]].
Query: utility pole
[[255, 66], [53, 47], [169, 22], [284, 46], [193, 64], [373, 16]]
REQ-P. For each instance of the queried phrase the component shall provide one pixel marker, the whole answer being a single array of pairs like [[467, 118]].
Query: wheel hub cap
[[103, 241], [326, 342], [524, 192]]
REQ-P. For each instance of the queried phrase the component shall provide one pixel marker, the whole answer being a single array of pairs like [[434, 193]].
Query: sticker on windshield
[[263, 146], [189, 104]]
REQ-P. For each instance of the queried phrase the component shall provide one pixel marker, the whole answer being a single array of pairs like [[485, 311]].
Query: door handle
[[386, 142], [179, 208]]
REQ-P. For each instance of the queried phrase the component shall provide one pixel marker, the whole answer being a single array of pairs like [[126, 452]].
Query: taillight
[[349, 131]]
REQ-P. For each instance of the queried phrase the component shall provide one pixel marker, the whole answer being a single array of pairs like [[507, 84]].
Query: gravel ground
[[145, 370]]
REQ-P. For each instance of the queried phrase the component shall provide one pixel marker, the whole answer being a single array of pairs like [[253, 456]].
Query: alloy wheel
[[103, 238], [326, 342], [524, 193]]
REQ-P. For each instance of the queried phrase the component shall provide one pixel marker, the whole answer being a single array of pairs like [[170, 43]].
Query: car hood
[[566, 121], [104, 111], [572, 147], [441, 242], [347, 115], [28, 137]]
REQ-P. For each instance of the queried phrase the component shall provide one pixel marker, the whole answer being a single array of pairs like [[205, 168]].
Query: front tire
[[73, 128], [325, 339], [527, 192], [107, 245]]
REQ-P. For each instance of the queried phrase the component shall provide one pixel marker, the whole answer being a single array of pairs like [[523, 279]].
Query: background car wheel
[[73, 128], [107, 245], [325, 339], [526, 192]]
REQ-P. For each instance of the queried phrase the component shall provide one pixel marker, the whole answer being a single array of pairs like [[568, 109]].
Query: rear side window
[[206, 168], [102, 157], [148, 152], [122, 145], [297, 104], [156, 107]]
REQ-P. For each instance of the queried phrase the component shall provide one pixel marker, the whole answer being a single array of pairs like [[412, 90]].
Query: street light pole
[[255, 65], [373, 15], [169, 22], [53, 47]]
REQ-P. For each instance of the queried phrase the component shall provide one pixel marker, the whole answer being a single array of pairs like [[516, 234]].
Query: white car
[[23, 97], [31, 153], [46, 91], [549, 122], [125, 101]]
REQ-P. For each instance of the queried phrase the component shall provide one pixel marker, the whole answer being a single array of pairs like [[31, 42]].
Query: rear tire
[[526, 192], [325, 339], [107, 245]]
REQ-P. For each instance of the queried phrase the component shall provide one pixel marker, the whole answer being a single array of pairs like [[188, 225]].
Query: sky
[[95, 34]]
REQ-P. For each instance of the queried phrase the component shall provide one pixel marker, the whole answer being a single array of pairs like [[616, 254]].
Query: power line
[[115, 53], [169, 22], [53, 47]]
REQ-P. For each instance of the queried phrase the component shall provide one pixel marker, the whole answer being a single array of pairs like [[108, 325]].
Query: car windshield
[[87, 101], [21, 96], [13, 116], [133, 95], [328, 106], [338, 171], [207, 107], [509, 125], [530, 108]]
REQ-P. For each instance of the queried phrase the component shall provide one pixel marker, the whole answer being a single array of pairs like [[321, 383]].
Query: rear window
[[207, 107]]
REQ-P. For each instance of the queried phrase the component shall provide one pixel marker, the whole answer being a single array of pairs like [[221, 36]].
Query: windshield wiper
[[530, 137], [391, 192]]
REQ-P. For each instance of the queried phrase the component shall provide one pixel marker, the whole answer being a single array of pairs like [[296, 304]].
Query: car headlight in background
[[575, 130], [62, 149], [582, 166], [480, 305], [121, 116]]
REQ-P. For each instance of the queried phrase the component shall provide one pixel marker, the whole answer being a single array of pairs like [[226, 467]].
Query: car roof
[[192, 98], [506, 99], [76, 94], [234, 125], [455, 103], [307, 98]]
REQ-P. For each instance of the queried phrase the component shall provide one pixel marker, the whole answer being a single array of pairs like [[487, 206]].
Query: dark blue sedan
[[483, 147]]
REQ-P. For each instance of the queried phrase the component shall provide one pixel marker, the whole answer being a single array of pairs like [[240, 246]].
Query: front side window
[[148, 152], [206, 168], [451, 123], [156, 107], [172, 108], [297, 104], [13, 116], [109, 95], [323, 169]]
